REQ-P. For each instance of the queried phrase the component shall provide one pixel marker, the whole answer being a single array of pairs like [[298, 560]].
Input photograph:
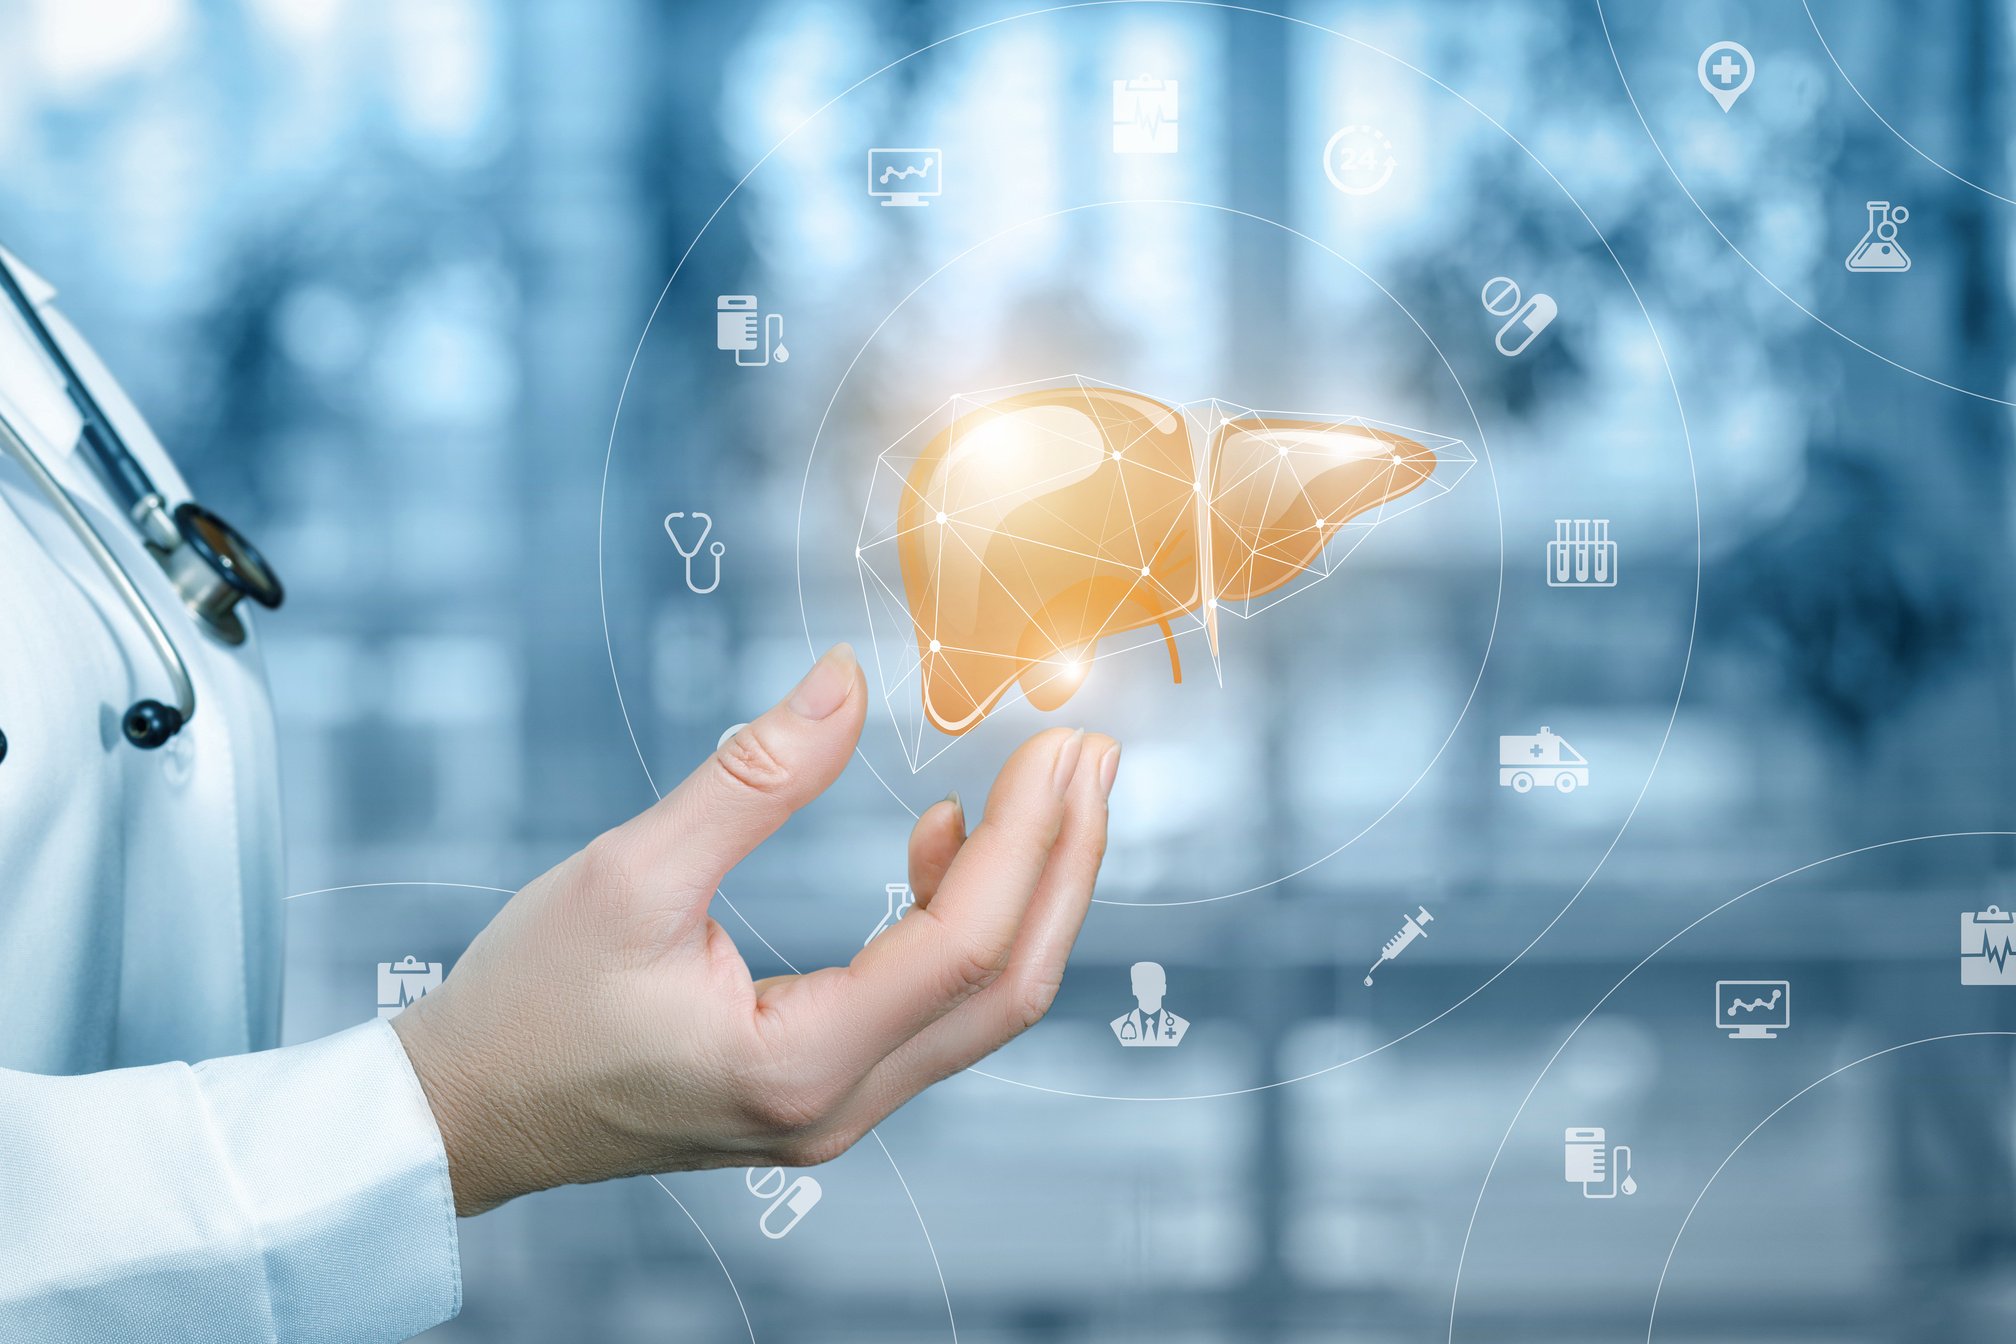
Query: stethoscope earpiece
[[150, 723]]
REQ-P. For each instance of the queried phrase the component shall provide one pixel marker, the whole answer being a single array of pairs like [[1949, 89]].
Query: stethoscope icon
[[716, 549]]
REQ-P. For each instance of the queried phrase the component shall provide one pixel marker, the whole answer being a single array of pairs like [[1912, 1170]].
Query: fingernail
[[825, 687], [957, 806], [1109, 769], [1067, 761]]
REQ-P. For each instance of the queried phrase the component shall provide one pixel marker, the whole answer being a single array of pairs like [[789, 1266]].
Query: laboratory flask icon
[[1523, 321], [900, 899], [1879, 249]]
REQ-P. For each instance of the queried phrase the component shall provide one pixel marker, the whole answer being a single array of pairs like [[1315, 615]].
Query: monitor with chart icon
[[1753, 1010], [905, 176]]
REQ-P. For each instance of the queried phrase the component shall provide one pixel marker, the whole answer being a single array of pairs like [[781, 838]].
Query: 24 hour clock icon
[[1358, 160]]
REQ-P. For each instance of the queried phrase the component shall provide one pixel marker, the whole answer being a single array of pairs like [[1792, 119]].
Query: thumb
[[684, 844]]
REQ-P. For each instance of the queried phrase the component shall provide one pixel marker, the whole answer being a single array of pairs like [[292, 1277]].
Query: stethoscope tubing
[[129, 592], [128, 477]]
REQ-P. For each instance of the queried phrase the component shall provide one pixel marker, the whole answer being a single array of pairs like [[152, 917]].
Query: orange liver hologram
[[1036, 530]]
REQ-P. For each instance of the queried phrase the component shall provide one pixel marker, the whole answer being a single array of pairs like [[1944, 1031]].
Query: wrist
[[491, 1159]]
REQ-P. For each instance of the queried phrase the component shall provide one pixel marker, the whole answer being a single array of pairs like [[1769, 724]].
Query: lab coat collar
[[38, 290]]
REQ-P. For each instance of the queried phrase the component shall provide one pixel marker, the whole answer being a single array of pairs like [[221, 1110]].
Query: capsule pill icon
[[1523, 320], [794, 1199]]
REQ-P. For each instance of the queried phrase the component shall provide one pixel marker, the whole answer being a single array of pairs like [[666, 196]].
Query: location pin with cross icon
[[1725, 70]]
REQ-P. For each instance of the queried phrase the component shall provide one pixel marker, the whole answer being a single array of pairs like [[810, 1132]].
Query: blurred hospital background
[[380, 272]]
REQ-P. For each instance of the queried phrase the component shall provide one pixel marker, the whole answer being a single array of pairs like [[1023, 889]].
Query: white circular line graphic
[[1742, 256], [1902, 138], [1483, 447], [1652, 1321], [1609, 251], [1505, 1139]]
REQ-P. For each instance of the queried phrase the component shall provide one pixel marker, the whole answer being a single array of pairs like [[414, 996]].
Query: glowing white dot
[[934, 646], [1322, 522], [1144, 571], [1284, 450], [1197, 488], [857, 552], [1210, 604], [1114, 454], [941, 515]]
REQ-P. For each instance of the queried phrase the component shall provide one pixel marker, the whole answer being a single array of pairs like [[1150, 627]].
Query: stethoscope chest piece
[[213, 567]]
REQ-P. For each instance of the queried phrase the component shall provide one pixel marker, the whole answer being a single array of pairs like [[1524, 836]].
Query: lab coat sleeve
[[290, 1195]]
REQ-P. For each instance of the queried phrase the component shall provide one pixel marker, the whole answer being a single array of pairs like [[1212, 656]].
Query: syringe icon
[[1408, 933]]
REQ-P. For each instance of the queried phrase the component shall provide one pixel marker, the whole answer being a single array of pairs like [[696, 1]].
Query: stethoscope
[[1130, 1032], [210, 563], [716, 550]]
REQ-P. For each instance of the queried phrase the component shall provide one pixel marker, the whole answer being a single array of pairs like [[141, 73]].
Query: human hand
[[603, 1025]]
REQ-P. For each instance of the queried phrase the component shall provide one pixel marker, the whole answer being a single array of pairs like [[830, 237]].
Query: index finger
[[686, 842]]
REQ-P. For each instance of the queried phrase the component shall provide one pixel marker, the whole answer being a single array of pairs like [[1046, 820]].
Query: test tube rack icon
[[1582, 555]]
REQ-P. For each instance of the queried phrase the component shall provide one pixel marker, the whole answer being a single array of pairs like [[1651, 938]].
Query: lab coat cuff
[[340, 1165]]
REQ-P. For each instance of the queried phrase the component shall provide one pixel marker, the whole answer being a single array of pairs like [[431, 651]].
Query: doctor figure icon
[[1148, 1022]]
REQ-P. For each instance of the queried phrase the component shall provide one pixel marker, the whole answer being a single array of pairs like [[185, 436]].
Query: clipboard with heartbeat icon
[[1145, 114], [1988, 947]]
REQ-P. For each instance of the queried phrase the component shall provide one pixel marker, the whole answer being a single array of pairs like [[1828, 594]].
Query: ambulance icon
[[1542, 758]]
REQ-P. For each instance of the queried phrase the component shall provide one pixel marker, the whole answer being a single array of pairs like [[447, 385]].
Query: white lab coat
[[1134, 1028], [291, 1194]]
